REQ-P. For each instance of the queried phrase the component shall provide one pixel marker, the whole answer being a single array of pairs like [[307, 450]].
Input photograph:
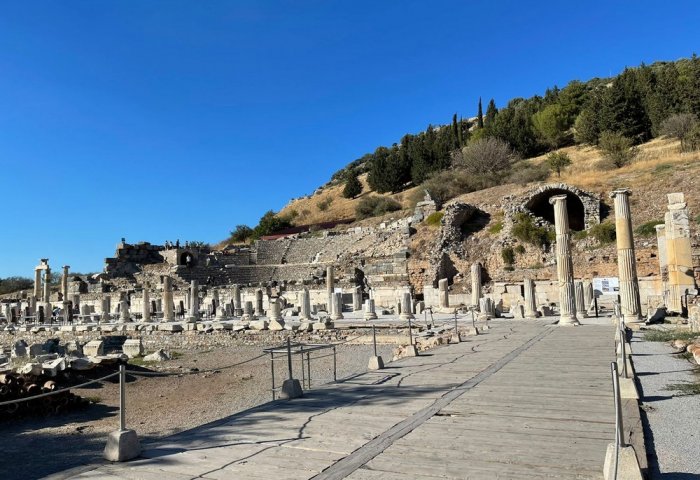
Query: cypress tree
[[455, 131], [480, 116], [491, 112]]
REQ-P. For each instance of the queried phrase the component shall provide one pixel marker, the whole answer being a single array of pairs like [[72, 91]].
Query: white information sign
[[606, 285]]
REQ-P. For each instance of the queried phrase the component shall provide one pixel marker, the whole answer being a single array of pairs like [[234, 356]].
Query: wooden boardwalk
[[524, 400]]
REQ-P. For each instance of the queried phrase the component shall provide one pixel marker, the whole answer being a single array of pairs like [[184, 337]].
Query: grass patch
[[663, 167], [604, 233], [434, 219], [647, 229], [525, 230], [683, 389], [496, 228], [93, 399], [668, 335], [582, 235]]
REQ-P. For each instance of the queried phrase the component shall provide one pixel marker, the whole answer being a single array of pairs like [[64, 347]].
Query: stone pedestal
[[356, 299], [369, 310], [476, 283], [530, 302], [291, 388], [406, 307], [122, 445], [565, 266], [626, 261], [168, 313], [443, 293], [375, 363], [305, 304]]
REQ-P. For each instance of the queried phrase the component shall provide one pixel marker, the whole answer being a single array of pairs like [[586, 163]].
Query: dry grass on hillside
[[330, 205]]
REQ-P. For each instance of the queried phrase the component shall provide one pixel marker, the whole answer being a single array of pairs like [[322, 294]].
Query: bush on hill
[[374, 206]]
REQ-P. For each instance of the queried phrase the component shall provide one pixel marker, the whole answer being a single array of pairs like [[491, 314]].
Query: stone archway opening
[[187, 259], [539, 206]]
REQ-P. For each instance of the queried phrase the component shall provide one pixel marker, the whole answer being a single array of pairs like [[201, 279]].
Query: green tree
[[241, 233], [622, 109], [679, 126], [479, 116], [552, 124], [353, 186], [491, 113], [376, 177], [557, 161], [270, 223], [617, 149]]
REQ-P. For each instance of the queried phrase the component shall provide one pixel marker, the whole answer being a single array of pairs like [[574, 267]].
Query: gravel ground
[[671, 420], [157, 407]]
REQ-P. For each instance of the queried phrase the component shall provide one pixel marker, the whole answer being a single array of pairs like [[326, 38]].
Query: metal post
[[410, 333], [456, 331], [308, 367], [335, 378], [374, 340], [122, 397], [303, 374], [623, 353], [289, 357], [619, 435], [473, 319], [272, 368], [595, 302]]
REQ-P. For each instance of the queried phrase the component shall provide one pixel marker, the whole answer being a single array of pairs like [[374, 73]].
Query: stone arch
[[182, 260], [583, 207]]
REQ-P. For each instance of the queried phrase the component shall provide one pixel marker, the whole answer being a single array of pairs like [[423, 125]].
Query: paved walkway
[[524, 400]]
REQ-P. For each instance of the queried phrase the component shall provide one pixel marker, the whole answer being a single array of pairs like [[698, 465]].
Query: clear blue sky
[[156, 120]]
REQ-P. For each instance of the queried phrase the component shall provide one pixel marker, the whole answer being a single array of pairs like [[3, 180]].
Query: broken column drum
[[580, 300], [476, 283], [168, 314], [443, 293], [275, 312], [105, 306], [565, 264], [305, 303], [337, 306], [626, 262], [356, 299], [259, 303], [370, 312], [124, 315], [247, 311], [530, 301], [406, 307], [237, 306]]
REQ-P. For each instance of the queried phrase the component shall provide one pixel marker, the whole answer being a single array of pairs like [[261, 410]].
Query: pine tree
[[491, 112], [479, 116], [353, 187], [455, 132]]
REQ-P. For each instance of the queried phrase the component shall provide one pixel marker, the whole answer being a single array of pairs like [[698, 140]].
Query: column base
[[569, 321], [375, 363], [291, 389]]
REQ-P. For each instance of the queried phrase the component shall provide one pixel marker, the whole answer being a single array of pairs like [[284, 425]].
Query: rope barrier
[[57, 392]]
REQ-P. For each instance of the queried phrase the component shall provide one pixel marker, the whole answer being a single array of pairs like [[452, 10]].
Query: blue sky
[[156, 120]]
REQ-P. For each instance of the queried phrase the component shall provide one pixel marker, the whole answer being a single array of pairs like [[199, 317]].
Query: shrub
[[241, 233], [647, 229], [525, 230], [680, 126], [617, 150], [270, 223], [519, 249], [663, 167], [557, 161], [449, 184], [353, 187], [324, 204], [582, 235], [525, 172], [487, 155], [496, 228], [434, 219], [374, 206], [508, 255], [604, 232]]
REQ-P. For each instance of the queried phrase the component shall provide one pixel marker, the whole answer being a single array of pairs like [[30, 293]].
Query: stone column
[[476, 283], [37, 282], [47, 285], [274, 313], [220, 310], [168, 314], [565, 265], [67, 312], [663, 260], [626, 261], [305, 302], [105, 307], [356, 299], [443, 293], [247, 311], [370, 312], [330, 283], [530, 300], [337, 306], [237, 307], [259, 303], [145, 305], [193, 314], [580, 300], [64, 282], [680, 260], [406, 307], [587, 294], [124, 315]]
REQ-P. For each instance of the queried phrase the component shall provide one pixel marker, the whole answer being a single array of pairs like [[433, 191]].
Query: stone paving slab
[[524, 400]]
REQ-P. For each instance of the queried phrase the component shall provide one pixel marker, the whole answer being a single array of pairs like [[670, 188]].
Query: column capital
[[556, 198], [620, 191]]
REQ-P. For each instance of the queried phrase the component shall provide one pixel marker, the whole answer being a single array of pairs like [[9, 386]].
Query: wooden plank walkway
[[524, 400]]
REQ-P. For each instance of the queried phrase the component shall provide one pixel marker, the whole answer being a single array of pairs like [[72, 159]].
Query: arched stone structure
[[583, 207]]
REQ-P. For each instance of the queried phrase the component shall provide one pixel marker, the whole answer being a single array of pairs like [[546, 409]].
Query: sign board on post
[[606, 286]]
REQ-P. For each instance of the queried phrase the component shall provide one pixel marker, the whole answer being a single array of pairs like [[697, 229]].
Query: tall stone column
[[626, 261], [476, 283], [330, 283], [237, 306], [565, 264], [406, 307], [337, 306], [47, 285], [587, 294], [37, 282], [356, 299], [146, 304], [193, 314], [680, 260], [259, 303], [581, 308], [443, 293], [105, 307], [305, 304], [370, 313], [530, 300], [663, 260], [168, 314], [64, 282]]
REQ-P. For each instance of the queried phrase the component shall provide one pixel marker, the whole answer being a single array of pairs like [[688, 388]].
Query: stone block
[[375, 363], [276, 325], [36, 349], [258, 325], [291, 388], [133, 347], [122, 445], [94, 348], [627, 467], [170, 327]]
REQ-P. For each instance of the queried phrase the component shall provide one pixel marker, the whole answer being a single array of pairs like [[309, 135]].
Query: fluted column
[[580, 300], [259, 303], [37, 283], [530, 301], [443, 293], [305, 302], [237, 306], [370, 312], [146, 304], [64, 282], [168, 314], [194, 302], [587, 294], [337, 306], [330, 282], [565, 264], [626, 261], [476, 283], [406, 307]]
